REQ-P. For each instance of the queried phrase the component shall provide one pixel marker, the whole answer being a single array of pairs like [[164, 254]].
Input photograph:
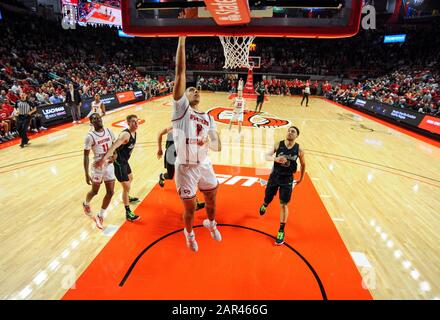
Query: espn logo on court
[[229, 12], [231, 180]]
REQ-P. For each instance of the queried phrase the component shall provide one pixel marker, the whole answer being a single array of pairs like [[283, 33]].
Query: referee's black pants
[[22, 125], [305, 97]]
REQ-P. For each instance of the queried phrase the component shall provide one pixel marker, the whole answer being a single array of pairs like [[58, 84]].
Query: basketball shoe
[[99, 221], [87, 210], [191, 240], [212, 227]]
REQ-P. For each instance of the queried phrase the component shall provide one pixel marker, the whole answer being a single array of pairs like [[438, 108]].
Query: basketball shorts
[[189, 177], [284, 184], [106, 174], [122, 170], [169, 160], [237, 116], [260, 99]]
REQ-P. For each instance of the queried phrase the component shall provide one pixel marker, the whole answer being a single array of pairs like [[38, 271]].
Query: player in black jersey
[[169, 159], [286, 153], [260, 91], [170, 155], [124, 146]]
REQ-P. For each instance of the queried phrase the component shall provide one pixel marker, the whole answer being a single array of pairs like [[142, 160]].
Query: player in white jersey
[[239, 105], [240, 85], [97, 106], [194, 132], [99, 141]]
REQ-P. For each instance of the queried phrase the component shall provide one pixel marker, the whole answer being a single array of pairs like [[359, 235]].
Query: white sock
[[86, 203], [102, 213], [190, 234]]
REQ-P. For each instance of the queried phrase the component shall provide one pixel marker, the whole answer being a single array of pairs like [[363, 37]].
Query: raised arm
[[159, 141], [180, 81]]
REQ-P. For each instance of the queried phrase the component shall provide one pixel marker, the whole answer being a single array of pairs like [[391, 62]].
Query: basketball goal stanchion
[[249, 87]]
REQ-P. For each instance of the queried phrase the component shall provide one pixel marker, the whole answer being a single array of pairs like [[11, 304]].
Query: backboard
[[255, 62], [262, 18]]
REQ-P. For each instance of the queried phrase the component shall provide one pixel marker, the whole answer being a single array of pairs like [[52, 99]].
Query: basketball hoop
[[236, 51]]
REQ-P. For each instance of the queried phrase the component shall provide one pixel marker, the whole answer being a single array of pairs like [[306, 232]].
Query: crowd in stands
[[417, 90], [273, 86], [364, 55], [216, 83], [39, 58]]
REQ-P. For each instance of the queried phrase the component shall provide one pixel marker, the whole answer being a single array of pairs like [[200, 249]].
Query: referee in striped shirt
[[25, 111]]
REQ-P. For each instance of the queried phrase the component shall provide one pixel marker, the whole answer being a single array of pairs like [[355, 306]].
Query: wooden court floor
[[379, 186]]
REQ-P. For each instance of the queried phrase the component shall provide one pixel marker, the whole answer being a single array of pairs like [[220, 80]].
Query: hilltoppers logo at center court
[[250, 118]]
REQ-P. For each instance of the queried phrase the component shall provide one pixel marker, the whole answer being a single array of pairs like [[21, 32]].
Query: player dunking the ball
[[99, 140], [239, 105], [194, 132], [124, 146], [286, 154]]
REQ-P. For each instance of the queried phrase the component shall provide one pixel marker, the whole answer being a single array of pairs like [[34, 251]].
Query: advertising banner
[[139, 95], [406, 116], [431, 124], [54, 113], [60, 112], [126, 96], [109, 100]]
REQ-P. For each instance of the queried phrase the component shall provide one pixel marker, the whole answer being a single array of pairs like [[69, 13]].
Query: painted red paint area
[[149, 259]]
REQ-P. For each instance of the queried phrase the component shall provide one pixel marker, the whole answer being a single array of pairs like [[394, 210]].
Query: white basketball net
[[236, 51]]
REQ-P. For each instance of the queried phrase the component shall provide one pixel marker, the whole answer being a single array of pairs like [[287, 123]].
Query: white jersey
[[96, 107], [307, 90], [99, 142], [239, 105], [240, 85], [190, 133]]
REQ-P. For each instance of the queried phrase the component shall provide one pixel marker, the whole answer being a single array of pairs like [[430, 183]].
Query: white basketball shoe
[[191, 240], [212, 227]]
